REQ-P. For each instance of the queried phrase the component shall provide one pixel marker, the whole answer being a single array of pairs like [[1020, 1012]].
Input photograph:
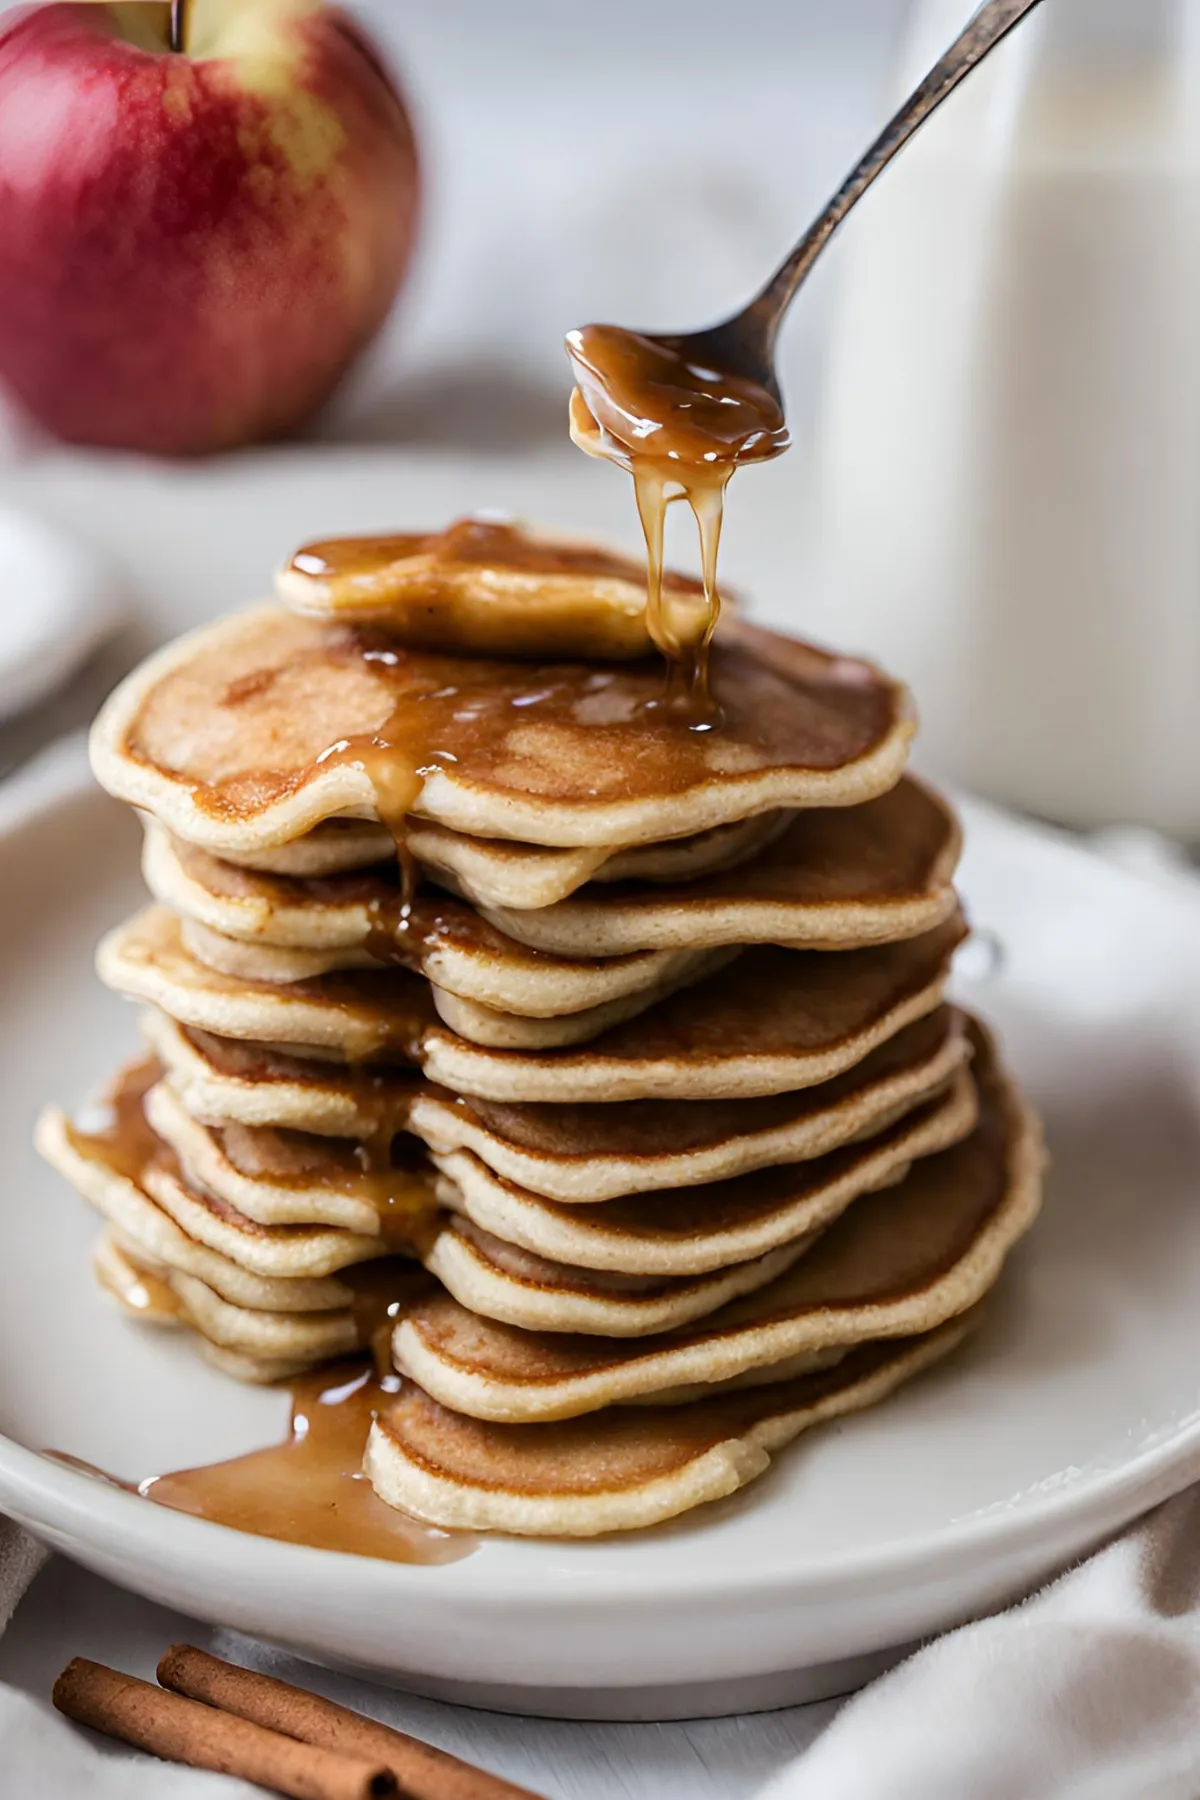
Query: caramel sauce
[[382, 1291], [136, 1289], [311, 1489], [475, 542], [412, 590], [681, 430], [482, 588], [431, 713], [403, 1198], [124, 1142], [346, 560]]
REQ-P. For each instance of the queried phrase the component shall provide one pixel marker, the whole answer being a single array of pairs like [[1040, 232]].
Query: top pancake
[[491, 589], [250, 732]]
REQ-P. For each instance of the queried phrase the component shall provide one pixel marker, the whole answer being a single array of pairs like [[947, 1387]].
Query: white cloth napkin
[[1090, 1691]]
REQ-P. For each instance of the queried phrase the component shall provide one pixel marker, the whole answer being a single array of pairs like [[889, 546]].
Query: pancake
[[174, 1225], [247, 734], [496, 588], [495, 873], [585, 1154], [901, 1262], [835, 878], [499, 873], [294, 1340], [127, 1275], [692, 1230], [282, 1252], [334, 847], [221, 1081], [138, 1290], [480, 1024], [156, 1238], [630, 1467], [282, 1179], [348, 920], [774, 1021], [290, 1178], [499, 1281]]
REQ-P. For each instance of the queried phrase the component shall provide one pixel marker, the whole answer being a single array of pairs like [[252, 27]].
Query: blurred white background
[[645, 161]]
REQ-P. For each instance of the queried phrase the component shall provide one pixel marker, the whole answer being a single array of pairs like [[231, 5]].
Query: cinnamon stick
[[182, 1731], [422, 1772]]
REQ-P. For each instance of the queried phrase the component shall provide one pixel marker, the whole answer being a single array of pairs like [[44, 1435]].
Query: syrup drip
[[687, 691], [403, 1199], [310, 1489], [681, 430], [124, 1142], [382, 1292], [136, 1289], [402, 1196]]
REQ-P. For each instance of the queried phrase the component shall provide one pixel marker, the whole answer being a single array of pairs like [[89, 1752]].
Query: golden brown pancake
[[584, 1154], [900, 1262], [775, 1021], [690, 1230], [226, 1081], [836, 878], [500, 1281], [471, 1019], [243, 736], [490, 588], [493, 872], [500, 873], [629, 1467], [298, 930], [293, 1178], [160, 1242]]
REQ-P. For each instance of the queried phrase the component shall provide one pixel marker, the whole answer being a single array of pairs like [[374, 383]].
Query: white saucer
[[59, 601], [1077, 1407]]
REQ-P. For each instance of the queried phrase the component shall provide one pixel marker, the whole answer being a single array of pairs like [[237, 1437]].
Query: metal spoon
[[745, 344]]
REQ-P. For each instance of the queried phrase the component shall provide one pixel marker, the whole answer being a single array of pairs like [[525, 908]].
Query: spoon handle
[[987, 27]]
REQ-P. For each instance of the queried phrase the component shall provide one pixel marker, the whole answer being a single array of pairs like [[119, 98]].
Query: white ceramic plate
[[59, 600], [1076, 1407]]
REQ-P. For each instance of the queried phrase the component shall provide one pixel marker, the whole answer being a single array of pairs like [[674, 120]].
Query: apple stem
[[178, 23]]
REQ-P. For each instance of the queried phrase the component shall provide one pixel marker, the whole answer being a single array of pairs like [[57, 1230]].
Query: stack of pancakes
[[641, 1133]]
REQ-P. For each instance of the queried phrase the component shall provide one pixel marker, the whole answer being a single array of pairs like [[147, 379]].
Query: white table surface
[[509, 118]]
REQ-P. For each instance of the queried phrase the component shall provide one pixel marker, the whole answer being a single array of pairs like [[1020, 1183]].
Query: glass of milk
[[1008, 455]]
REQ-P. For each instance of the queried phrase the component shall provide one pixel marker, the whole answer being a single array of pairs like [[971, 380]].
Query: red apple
[[194, 243]]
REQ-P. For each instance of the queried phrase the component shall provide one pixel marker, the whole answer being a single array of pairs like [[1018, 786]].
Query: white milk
[[1008, 460]]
